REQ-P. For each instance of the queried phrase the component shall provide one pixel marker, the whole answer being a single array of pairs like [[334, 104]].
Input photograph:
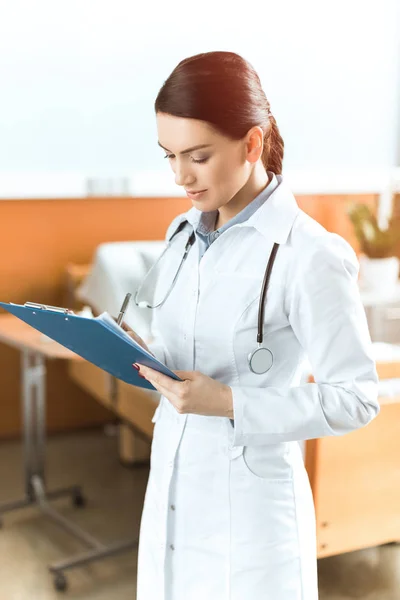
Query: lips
[[194, 191], [195, 195]]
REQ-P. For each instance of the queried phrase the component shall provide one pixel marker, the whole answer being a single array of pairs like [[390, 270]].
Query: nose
[[182, 175]]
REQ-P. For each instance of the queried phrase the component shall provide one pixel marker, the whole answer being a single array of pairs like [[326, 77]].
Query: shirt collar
[[274, 219]]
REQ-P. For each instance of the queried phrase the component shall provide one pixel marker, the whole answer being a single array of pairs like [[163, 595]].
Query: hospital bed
[[355, 478]]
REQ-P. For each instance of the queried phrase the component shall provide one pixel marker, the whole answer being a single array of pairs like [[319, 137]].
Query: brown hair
[[223, 89]]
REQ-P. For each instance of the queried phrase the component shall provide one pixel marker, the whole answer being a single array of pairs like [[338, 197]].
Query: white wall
[[79, 79]]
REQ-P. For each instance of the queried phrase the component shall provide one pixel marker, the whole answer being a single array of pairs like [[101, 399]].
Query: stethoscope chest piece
[[260, 360]]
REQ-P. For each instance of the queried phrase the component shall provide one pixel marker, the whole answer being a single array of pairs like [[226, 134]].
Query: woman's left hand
[[197, 394]]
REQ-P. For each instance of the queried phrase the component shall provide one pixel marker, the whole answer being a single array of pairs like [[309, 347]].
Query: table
[[36, 349]]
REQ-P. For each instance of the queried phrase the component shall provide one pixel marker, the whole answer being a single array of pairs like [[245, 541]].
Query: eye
[[200, 161]]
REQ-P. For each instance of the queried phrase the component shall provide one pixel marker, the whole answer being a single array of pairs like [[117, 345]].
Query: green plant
[[374, 242]]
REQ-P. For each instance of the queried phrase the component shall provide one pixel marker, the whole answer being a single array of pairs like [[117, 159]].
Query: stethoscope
[[261, 359]]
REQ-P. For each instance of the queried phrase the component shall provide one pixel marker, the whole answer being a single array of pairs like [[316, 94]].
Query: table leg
[[33, 375], [33, 400], [33, 385]]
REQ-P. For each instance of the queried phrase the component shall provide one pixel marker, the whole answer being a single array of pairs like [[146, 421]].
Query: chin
[[206, 205], [203, 206]]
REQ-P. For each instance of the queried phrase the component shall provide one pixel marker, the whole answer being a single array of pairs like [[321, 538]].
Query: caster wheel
[[79, 500], [60, 582]]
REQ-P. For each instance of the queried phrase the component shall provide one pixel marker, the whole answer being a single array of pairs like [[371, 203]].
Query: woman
[[228, 513]]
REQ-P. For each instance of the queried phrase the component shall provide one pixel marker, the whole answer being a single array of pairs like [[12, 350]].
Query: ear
[[254, 144]]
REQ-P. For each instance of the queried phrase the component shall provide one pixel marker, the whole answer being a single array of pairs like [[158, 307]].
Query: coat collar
[[274, 219]]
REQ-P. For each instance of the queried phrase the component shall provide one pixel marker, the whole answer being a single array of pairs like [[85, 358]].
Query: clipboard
[[99, 340]]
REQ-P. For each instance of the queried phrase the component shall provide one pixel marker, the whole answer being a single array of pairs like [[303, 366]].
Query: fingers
[[158, 380], [175, 391], [123, 325], [154, 376], [160, 389], [185, 374], [133, 335]]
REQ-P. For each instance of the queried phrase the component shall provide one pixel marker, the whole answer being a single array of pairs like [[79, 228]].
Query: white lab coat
[[228, 512]]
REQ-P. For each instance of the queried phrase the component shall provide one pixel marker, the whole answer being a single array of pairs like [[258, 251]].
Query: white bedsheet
[[119, 268]]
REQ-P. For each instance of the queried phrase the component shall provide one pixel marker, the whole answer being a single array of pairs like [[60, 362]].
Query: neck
[[256, 183]]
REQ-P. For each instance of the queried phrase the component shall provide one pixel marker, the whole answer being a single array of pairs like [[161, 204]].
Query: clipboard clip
[[65, 311]]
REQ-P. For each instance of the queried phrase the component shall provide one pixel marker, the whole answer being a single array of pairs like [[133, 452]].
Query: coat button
[[172, 547], [172, 506]]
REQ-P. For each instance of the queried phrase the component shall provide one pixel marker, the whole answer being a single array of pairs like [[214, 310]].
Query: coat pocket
[[269, 462]]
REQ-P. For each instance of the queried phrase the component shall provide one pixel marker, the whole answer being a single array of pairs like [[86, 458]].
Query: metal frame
[[33, 376]]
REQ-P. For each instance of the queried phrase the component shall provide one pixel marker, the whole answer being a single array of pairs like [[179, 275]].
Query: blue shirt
[[205, 233]]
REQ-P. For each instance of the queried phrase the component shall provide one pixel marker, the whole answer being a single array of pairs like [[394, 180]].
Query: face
[[222, 167]]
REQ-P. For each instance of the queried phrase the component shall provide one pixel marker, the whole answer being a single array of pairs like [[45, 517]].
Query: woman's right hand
[[134, 336]]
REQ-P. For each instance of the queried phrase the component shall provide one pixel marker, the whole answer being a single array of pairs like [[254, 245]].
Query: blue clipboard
[[102, 343]]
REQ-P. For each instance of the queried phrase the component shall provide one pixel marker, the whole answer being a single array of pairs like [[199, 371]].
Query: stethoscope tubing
[[262, 303], [263, 296]]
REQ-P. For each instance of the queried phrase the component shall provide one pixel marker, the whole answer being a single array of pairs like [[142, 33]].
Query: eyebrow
[[188, 149]]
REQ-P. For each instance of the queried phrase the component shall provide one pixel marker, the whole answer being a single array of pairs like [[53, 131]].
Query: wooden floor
[[29, 541]]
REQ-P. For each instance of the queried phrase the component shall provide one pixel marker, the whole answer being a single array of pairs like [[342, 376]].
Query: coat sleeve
[[327, 317]]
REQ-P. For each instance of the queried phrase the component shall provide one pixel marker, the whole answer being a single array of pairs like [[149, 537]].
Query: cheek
[[224, 177]]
